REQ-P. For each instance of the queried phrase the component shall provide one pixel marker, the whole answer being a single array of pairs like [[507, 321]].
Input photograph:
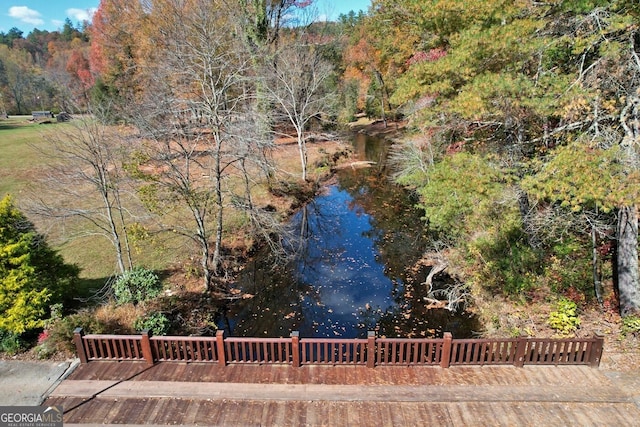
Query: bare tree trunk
[[217, 250], [125, 232], [302, 148], [107, 186], [381, 82], [597, 288], [114, 232], [627, 261]]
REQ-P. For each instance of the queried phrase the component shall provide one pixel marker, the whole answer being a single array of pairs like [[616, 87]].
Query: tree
[[298, 88], [627, 230], [32, 275], [18, 77], [530, 84], [3, 88], [12, 35], [88, 185], [585, 184], [199, 126], [261, 24], [460, 191], [68, 31], [608, 72], [264, 19], [116, 52]]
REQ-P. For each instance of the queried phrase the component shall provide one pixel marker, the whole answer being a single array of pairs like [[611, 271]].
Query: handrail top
[[112, 337], [585, 339], [338, 340], [531, 339], [181, 338], [254, 339]]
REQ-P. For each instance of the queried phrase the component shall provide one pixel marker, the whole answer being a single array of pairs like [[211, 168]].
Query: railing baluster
[[117, 349], [560, 352], [198, 351], [585, 351], [494, 350], [569, 351], [574, 352], [454, 352], [182, 350]]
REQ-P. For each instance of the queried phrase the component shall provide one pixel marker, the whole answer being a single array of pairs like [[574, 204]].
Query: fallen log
[[355, 165]]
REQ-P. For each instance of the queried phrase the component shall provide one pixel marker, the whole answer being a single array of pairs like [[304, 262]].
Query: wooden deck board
[[282, 413], [322, 395]]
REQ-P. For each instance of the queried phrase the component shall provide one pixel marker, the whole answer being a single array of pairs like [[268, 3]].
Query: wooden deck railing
[[111, 347], [371, 352], [256, 350]]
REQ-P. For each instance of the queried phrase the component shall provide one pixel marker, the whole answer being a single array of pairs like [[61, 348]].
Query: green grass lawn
[[20, 154]]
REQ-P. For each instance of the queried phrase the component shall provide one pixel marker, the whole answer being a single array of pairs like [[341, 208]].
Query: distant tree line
[[45, 70]]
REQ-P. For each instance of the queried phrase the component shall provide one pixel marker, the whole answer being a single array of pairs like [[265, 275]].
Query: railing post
[[596, 350], [445, 355], [78, 333], [371, 349], [295, 348], [521, 349], [146, 347], [222, 361]]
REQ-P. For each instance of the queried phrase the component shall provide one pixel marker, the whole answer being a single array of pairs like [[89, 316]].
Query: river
[[352, 272]]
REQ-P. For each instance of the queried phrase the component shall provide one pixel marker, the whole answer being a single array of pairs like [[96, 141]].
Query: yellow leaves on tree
[[32, 276]]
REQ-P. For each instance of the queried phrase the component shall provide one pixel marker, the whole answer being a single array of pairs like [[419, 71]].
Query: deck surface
[[133, 393]]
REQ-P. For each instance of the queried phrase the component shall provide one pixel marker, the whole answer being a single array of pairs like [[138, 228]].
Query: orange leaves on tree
[[78, 67]]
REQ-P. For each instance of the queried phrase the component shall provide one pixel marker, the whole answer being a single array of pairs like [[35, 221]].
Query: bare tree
[[198, 121], [86, 182], [297, 86], [412, 159]]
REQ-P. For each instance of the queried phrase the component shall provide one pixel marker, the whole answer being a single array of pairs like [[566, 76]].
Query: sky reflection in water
[[343, 264]]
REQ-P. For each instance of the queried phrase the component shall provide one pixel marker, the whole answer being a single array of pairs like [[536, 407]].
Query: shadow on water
[[349, 275]]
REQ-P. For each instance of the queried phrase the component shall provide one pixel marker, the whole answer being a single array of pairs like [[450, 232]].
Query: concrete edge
[[72, 365]]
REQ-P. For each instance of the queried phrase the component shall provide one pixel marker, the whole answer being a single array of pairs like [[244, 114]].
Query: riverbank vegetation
[[525, 147], [204, 127]]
